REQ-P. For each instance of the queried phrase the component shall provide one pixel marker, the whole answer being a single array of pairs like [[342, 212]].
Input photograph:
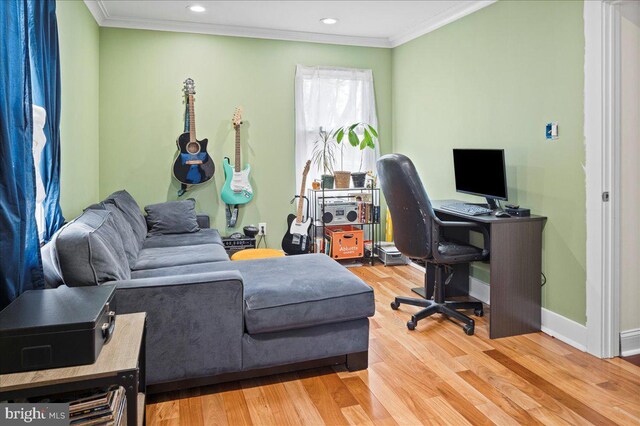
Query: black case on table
[[54, 328]]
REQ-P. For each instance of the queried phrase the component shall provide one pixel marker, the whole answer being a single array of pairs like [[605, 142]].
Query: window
[[329, 98]]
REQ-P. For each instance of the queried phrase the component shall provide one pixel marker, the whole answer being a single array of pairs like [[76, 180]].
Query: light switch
[[552, 130]]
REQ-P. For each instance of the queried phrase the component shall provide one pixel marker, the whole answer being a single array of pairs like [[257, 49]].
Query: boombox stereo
[[339, 212]]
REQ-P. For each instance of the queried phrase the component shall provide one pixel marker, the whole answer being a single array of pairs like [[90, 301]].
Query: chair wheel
[[479, 312], [395, 305], [468, 330], [411, 325]]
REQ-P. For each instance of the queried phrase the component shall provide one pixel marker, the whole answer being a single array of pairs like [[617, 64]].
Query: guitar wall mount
[[232, 215]]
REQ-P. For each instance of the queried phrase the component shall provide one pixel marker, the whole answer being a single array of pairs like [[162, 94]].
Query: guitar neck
[[237, 165], [301, 199], [192, 120]]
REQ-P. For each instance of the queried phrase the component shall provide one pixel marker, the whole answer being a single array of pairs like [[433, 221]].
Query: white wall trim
[[630, 342], [564, 329], [479, 290], [553, 324], [599, 129], [102, 17], [452, 14], [97, 9]]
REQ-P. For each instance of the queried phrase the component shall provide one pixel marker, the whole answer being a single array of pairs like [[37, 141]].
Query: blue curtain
[[45, 83], [20, 264]]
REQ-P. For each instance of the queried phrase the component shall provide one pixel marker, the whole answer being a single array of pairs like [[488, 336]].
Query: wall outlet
[[262, 228]]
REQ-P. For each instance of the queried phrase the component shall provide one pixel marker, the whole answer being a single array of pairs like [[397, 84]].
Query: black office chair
[[418, 234]]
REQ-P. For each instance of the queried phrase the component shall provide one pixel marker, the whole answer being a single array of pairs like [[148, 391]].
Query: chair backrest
[[409, 204]]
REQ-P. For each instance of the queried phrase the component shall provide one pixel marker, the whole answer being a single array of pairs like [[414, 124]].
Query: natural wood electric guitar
[[237, 188], [192, 165], [297, 238]]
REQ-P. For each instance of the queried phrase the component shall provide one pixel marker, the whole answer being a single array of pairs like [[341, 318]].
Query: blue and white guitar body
[[237, 188]]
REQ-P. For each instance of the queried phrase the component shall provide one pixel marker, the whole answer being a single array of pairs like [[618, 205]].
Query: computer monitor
[[481, 172]]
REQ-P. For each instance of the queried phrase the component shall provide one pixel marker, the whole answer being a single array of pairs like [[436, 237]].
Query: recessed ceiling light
[[196, 8], [329, 21]]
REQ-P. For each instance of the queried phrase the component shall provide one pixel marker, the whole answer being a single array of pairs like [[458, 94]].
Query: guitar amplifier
[[233, 245], [54, 328], [340, 212]]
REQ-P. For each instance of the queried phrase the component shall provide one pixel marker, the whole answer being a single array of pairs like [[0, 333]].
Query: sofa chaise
[[210, 319]]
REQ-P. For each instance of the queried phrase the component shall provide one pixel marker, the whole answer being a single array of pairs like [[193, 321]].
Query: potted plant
[[323, 157], [369, 135]]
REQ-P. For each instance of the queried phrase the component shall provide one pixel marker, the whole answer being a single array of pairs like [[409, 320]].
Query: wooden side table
[[121, 362]]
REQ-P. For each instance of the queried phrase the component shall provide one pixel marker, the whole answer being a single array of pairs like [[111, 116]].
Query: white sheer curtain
[[330, 98]]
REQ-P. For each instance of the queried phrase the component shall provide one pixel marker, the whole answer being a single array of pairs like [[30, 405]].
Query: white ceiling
[[362, 23]]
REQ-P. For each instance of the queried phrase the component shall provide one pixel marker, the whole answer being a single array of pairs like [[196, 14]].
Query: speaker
[[339, 212]]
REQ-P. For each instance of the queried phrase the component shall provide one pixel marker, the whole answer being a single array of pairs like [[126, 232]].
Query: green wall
[[141, 113], [492, 80], [79, 70]]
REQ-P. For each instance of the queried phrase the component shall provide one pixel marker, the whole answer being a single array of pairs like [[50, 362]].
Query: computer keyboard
[[470, 209]]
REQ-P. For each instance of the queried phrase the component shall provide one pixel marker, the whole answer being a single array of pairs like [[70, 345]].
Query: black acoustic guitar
[[297, 240], [193, 164]]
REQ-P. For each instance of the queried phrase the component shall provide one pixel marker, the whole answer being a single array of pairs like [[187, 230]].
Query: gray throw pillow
[[131, 210], [129, 240], [172, 217], [90, 250]]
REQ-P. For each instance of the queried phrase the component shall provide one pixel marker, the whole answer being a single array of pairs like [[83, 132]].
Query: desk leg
[[516, 265]]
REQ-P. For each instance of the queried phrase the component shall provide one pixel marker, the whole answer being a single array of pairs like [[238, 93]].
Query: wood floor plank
[[369, 403], [549, 388], [434, 375], [213, 411], [356, 416], [513, 410], [191, 408], [235, 405], [305, 409], [321, 396]]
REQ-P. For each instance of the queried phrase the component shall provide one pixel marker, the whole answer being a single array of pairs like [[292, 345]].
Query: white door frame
[[602, 136]]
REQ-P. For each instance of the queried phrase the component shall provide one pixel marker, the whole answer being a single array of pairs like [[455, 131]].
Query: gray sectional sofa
[[210, 319]]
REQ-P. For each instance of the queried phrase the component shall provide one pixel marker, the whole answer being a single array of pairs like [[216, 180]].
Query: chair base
[[446, 308]]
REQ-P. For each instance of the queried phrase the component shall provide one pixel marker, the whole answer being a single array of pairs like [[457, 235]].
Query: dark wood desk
[[515, 269]]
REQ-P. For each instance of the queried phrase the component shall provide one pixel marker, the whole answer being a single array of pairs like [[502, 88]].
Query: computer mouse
[[502, 213]]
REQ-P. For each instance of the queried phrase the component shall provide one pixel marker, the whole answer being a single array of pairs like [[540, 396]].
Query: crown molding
[[440, 20], [102, 17], [97, 9]]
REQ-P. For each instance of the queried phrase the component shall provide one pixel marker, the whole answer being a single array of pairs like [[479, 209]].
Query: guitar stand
[[306, 199], [232, 215]]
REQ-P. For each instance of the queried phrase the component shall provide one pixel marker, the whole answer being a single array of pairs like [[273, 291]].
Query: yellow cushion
[[256, 254]]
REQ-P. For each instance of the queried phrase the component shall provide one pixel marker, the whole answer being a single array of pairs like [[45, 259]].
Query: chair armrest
[[194, 322], [438, 223], [203, 220]]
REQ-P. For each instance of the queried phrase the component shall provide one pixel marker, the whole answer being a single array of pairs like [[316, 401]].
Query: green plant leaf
[[353, 126], [353, 138], [339, 135], [373, 131]]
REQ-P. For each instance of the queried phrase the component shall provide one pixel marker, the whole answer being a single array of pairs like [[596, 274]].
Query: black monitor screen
[[480, 172]]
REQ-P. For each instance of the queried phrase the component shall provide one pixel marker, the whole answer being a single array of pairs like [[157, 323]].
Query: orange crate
[[347, 241]]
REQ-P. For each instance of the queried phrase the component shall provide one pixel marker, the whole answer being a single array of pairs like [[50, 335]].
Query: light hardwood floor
[[433, 375]]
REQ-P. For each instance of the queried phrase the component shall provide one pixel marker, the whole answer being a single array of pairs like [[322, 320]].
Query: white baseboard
[[564, 329], [479, 289], [553, 324], [630, 342]]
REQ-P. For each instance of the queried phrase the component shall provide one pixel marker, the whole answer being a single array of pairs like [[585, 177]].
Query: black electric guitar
[[297, 240], [193, 165]]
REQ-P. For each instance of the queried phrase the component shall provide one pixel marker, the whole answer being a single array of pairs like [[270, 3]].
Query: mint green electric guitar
[[237, 188]]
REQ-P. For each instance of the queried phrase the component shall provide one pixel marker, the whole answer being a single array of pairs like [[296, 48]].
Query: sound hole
[[193, 147]]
